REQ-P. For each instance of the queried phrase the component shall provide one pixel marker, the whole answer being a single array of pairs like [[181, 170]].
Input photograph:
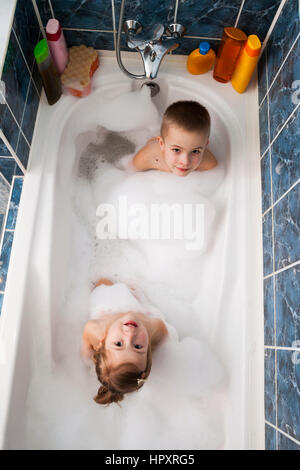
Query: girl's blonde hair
[[116, 381]]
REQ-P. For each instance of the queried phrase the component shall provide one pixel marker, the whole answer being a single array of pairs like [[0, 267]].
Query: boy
[[181, 147]]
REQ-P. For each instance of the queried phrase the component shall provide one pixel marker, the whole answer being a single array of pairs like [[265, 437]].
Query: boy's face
[[183, 150]]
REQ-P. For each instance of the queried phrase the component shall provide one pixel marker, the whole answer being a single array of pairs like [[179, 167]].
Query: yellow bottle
[[201, 60], [246, 63]]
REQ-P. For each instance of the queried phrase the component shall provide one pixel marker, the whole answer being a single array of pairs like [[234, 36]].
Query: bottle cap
[[253, 45], [53, 30], [41, 51], [204, 47], [235, 33]]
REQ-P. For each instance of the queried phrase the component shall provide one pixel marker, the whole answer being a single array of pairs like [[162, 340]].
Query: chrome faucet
[[152, 50]]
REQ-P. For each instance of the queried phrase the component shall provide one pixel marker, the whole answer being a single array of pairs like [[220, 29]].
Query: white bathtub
[[39, 260]]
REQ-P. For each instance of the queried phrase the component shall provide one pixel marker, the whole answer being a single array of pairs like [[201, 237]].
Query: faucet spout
[[153, 55]]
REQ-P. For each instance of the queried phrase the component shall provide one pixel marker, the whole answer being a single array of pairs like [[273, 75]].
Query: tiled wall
[[279, 98], [19, 102], [94, 23]]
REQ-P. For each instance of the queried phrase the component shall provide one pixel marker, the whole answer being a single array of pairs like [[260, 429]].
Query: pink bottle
[[57, 45]]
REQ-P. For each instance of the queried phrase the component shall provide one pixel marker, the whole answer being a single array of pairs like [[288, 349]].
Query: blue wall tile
[[44, 10], [31, 109], [284, 443], [269, 311], [147, 13], [270, 400], [281, 103], [262, 76], [23, 150], [288, 385], [16, 77], [286, 229], [4, 152], [286, 157], [8, 168], [270, 438], [90, 39], [266, 182], [264, 127], [280, 42], [267, 243], [14, 203], [80, 14], [265, 10], [9, 126], [287, 287], [5, 257], [207, 18], [27, 29]]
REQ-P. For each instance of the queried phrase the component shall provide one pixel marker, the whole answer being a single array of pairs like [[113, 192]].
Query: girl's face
[[183, 150], [127, 340]]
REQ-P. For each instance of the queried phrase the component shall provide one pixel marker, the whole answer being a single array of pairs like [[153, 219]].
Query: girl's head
[[124, 357]]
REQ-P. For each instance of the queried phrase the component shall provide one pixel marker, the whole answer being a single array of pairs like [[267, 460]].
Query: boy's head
[[184, 136]]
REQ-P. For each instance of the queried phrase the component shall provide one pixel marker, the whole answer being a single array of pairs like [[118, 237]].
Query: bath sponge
[[83, 62]]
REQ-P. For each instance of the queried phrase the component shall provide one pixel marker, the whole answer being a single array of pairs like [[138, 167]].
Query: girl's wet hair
[[116, 381], [189, 115]]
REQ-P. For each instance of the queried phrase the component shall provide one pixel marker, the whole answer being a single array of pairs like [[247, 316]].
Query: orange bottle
[[231, 45], [201, 60]]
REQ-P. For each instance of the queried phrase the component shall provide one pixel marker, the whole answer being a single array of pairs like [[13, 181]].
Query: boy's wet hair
[[189, 115]]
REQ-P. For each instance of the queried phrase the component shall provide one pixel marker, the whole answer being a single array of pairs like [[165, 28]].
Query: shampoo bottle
[[201, 60], [246, 64], [57, 45], [50, 78], [232, 42]]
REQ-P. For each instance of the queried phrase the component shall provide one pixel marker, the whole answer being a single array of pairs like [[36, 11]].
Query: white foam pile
[[181, 405]]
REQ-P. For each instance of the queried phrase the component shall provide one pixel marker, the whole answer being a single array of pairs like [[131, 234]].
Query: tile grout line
[[281, 197], [176, 10], [113, 14], [280, 130], [51, 9], [282, 348], [38, 18], [282, 432], [239, 14], [292, 265]]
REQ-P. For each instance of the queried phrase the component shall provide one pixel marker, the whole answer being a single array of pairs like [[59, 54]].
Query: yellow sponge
[[83, 62]]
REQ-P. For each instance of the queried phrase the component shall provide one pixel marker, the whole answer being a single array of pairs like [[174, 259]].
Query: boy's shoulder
[[149, 157], [208, 162]]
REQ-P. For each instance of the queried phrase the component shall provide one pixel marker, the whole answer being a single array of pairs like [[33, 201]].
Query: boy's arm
[[209, 161]]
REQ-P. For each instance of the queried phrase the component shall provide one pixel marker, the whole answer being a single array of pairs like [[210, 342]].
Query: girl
[[120, 339]]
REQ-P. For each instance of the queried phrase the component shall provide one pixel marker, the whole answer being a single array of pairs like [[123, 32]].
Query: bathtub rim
[[22, 244]]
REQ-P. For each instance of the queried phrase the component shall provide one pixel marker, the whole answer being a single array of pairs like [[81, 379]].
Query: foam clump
[[180, 406]]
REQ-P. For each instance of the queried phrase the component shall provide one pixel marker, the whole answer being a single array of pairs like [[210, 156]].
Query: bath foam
[[181, 404]]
